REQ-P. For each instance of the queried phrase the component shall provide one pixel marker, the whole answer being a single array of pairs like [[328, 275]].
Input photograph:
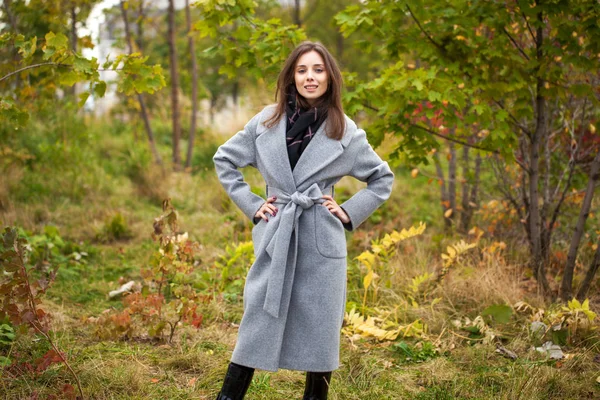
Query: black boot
[[236, 382], [317, 385]]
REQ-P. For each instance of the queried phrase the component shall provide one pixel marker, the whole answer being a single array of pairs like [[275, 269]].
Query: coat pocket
[[329, 232], [258, 231]]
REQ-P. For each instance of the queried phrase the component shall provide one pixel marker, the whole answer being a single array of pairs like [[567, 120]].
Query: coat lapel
[[320, 152], [271, 145]]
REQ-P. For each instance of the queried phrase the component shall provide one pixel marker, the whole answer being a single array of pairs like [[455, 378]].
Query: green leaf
[[83, 98], [26, 48], [100, 88], [501, 313], [59, 41]]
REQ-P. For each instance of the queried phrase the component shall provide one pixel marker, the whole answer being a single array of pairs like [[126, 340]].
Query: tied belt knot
[[279, 244], [302, 200]]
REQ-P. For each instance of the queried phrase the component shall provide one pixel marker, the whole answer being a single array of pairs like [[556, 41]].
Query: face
[[311, 76]]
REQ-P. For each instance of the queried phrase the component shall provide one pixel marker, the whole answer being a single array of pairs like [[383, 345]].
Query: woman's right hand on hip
[[267, 208]]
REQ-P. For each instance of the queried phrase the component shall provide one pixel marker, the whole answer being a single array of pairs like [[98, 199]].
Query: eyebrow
[[316, 65]]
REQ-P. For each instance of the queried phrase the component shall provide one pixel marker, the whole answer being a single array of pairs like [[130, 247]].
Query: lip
[[311, 88]]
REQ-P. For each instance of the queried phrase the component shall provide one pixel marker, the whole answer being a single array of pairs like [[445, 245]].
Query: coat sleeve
[[238, 152], [370, 168]]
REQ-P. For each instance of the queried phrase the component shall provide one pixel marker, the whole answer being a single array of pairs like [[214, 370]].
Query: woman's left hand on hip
[[335, 209]]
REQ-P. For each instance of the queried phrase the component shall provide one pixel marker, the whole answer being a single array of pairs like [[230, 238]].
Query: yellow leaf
[[367, 258], [448, 213], [414, 172], [368, 279], [592, 128], [461, 85], [586, 304]]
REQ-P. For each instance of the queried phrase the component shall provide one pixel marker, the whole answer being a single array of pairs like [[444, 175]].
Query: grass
[[108, 212]]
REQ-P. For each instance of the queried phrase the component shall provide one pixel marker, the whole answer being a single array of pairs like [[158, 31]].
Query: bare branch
[[33, 66], [515, 43]]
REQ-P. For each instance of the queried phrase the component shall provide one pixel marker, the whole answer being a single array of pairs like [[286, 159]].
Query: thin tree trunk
[[591, 273], [235, 92], [140, 25], [443, 192], [466, 209], [567, 281], [13, 25], [188, 161], [473, 201], [143, 109], [174, 86], [534, 175], [297, 7], [340, 46], [73, 13], [452, 180]]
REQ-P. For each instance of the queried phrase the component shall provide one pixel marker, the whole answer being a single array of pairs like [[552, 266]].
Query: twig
[[30, 67], [38, 322], [439, 46], [515, 43], [451, 139], [464, 337]]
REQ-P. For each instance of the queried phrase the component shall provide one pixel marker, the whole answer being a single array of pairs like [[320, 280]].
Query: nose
[[309, 76]]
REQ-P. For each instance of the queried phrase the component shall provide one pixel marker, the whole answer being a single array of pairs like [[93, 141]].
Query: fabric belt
[[290, 208]]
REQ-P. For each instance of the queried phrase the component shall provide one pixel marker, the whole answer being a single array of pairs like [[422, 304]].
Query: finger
[[271, 199], [328, 197], [272, 209], [264, 216]]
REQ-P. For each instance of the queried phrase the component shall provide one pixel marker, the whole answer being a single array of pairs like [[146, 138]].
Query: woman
[[295, 292]]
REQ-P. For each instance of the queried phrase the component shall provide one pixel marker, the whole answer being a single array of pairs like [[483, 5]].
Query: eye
[[300, 71], [319, 70]]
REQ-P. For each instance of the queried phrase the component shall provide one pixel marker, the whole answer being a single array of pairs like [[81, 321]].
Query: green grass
[[120, 180]]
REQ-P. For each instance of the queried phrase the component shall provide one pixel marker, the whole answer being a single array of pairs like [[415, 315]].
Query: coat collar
[[320, 152]]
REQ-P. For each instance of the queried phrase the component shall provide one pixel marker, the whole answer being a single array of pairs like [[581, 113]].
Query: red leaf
[[51, 357]]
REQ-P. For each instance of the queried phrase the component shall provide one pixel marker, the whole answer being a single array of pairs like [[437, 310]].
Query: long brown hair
[[332, 99]]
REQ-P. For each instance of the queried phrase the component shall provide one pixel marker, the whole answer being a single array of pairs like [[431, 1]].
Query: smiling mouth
[[310, 87]]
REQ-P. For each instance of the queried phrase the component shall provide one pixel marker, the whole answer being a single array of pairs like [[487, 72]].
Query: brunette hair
[[332, 99]]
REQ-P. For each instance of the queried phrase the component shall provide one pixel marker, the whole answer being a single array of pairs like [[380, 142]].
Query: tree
[[174, 85], [140, 97], [523, 68], [194, 117]]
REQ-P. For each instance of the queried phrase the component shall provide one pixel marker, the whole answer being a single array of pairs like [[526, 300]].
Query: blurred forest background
[[123, 260]]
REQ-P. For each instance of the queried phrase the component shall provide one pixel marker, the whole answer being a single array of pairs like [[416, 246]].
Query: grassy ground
[[103, 204]]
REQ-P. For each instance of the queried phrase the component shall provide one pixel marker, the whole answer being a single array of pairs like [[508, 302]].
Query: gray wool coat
[[295, 292]]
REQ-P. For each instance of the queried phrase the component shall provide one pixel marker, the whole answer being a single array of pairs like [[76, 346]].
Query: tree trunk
[[192, 47], [585, 285], [174, 86], [443, 192], [469, 198], [73, 14], [143, 109], [534, 173], [297, 7], [567, 281], [463, 226], [15, 55], [140, 26], [452, 180]]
